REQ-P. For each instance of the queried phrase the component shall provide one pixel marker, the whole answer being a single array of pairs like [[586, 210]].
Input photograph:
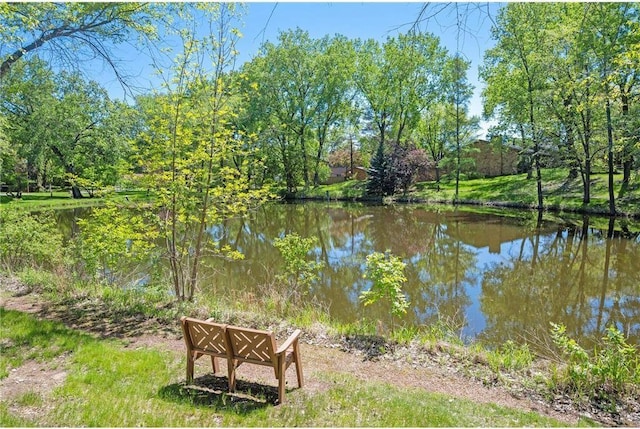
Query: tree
[[433, 133], [190, 147], [281, 108], [460, 92], [335, 68], [574, 94], [25, 94], [396, 170], [386, 272], [609, 34], [301, 91], [627, 81], [407, 163], [71, 32], [66, 121], [398, 81], [516, 73]]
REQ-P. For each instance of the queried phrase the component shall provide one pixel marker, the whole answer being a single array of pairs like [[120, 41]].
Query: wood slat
[[208, 338], [252, 346]]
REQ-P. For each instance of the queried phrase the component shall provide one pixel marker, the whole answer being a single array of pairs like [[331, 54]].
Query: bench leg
[[214, 364], [296, 357], [190, 361], [231, 371], [281, 378]]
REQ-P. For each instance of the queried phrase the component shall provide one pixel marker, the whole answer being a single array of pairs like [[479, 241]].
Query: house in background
[[492, 159], [359, 173], [336, 175], [340, 174]]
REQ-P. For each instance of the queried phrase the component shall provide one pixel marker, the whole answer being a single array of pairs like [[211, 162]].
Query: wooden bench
[[239, 345]]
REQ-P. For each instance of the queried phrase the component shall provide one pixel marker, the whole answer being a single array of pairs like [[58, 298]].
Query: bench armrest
[[294, 337]]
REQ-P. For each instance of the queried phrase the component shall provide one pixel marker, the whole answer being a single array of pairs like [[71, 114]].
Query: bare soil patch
[[35, 378]]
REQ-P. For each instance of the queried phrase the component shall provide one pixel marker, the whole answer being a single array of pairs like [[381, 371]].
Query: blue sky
[[263, 21]]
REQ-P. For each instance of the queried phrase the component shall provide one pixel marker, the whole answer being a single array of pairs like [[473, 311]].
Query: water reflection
[[499, 276]]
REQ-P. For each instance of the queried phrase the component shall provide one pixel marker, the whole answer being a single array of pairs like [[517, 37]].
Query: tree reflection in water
[[497, 276]]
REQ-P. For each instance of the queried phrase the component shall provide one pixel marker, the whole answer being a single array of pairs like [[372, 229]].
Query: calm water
[[495, 276]]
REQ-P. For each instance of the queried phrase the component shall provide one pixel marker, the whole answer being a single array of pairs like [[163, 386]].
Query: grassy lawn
[[62, 199], [558, 192], [108, 384]]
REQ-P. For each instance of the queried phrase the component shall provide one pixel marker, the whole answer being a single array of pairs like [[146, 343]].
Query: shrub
[[397, 170], [386, 272], [28, 240], [299, 273], [113, 241], [611, 371]]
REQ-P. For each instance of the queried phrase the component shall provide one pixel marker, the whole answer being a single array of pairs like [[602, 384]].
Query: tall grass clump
[[510, 356], [610, 372]]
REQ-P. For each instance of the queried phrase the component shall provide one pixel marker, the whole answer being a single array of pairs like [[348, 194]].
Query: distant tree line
[[561, 83]]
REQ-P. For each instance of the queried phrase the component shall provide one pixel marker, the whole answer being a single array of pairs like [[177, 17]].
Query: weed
[[510, 356], [41, 280], [447, 330], [30, 399], [611, 371]]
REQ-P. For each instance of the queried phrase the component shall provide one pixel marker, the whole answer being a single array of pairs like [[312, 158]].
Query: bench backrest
[[252, 345], [205, 336]]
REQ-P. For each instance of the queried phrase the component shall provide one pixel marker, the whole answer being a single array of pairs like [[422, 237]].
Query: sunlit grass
[[355, 403], [24, 338], [559, 192], [109, 384], [63, 199]]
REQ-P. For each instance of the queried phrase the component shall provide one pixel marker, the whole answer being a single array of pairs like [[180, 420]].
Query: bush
[[386, 272], [298, 272], [397, 170], [113, 242], [610, 372], [28, 240]]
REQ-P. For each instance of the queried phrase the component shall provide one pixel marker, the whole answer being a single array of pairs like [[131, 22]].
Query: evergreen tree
[[379, 182]]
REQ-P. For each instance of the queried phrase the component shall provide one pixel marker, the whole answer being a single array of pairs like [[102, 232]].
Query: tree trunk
[[612, 201], [322, 133], [586, 197], [75, 192], [536, 146], [627, 156]]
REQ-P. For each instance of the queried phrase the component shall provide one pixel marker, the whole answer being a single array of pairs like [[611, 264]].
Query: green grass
[[24, 337], [62, 199], [111, 385], [559, 193]]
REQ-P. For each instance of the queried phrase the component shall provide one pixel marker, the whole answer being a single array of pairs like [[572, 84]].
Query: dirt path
[[317, 360]]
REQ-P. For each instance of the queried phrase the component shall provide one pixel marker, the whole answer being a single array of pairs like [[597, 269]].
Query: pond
[[494, 275]]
